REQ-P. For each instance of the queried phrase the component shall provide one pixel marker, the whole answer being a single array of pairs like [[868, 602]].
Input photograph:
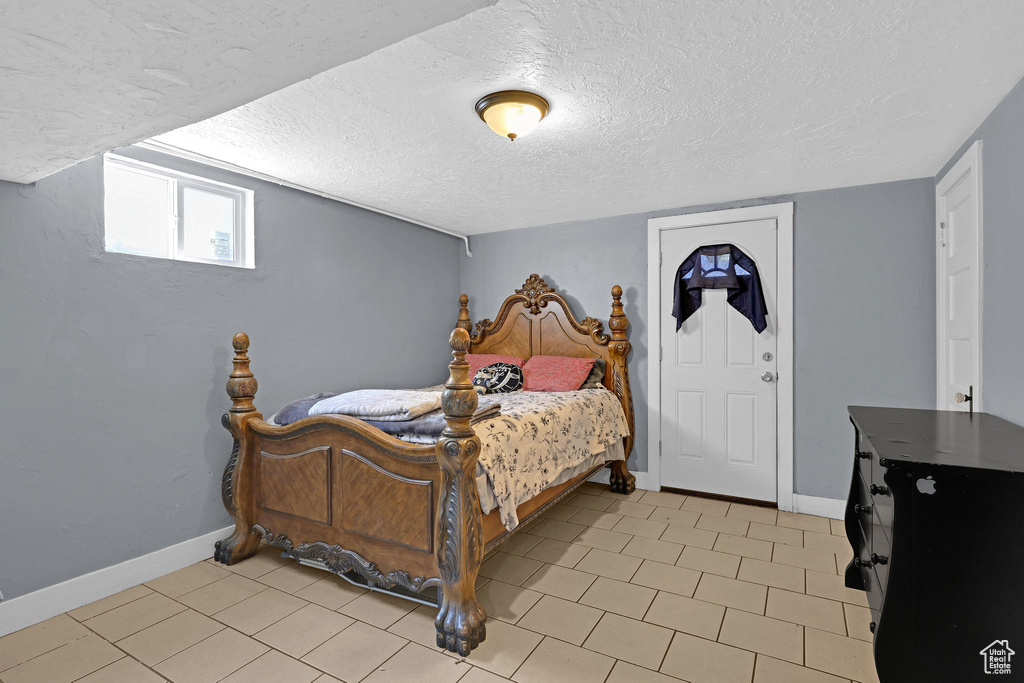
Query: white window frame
[[244, 228]]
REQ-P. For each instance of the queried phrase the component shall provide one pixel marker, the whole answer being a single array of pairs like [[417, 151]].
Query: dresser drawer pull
[[866, 455], [879, 559], [877, 490], [862, 509]]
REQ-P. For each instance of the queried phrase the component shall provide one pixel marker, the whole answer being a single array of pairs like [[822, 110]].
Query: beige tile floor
[[653, 587]]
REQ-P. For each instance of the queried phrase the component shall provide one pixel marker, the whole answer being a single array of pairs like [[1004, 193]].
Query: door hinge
[[942, 234], [659, 448], [661, 353], [661, 258]]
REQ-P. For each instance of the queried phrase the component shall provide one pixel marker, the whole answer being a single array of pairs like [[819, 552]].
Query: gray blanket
[[433, 423], [298, 410], [429, 425]]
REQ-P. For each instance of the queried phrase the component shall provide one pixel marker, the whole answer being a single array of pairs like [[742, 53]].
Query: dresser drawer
[[881, 499], [863, 513], [875, 590], [881, 550], [865, 458]]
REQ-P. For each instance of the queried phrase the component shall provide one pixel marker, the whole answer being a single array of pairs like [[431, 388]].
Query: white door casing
[[716, 318], [718, 387], [958, 253]]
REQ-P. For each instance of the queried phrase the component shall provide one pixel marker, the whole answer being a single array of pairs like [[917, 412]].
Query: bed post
[[464, 320], [621, 480], [459, 536], [236, 484]]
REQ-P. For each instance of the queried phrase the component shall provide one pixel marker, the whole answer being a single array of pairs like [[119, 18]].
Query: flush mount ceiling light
[[512, 113]]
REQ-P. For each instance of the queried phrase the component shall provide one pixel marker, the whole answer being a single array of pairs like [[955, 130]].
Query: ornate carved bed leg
[[236, 485], [459, 539], [621, 481]]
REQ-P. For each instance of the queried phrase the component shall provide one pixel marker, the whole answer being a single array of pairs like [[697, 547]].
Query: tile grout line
[[668, 649], [82, 621], [527, 658], [41, 654], [244, 665], [128, 654], [591, 632]]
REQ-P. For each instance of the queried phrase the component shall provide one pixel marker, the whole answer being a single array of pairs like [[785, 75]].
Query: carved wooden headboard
[[527, 325]]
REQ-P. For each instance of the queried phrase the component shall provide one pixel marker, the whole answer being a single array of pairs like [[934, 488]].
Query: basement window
[[161, 213]]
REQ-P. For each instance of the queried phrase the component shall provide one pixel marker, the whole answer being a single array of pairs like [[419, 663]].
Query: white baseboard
[[822, 507], [808, 505], [643, 479], [18, 613]]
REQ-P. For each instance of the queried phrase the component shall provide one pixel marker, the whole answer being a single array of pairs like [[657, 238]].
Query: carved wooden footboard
[[338, 494], [315, 489]]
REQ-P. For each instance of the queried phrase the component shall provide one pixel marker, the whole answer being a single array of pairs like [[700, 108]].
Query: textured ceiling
[[654, 104], [79, 78]]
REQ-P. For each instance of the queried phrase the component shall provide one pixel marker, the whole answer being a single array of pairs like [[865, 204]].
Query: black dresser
[[936, 520]]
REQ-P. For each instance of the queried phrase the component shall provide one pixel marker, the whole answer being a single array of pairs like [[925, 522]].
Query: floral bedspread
[[539, 434]]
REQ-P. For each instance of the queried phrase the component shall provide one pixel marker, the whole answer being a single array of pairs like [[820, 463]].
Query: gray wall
[[864, 318], [1002, 195], [113, 366], [864, 305]]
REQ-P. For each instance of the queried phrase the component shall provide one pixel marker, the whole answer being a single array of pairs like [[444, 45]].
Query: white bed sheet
[[488, 501]]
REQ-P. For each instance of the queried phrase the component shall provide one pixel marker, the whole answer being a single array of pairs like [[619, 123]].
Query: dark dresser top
[[941, 437]]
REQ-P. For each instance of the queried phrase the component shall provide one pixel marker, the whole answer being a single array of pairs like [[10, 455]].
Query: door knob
[[767, 376], [968, 398]]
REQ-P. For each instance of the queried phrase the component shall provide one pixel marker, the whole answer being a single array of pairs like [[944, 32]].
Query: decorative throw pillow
[[480, 360], [555, 373], [498, 378], [595, 380]]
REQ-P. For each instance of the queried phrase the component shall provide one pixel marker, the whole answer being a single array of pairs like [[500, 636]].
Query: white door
[[718, 375], [958, 295]]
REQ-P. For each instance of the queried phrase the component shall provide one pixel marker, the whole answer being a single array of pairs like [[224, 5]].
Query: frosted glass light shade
[[512, 113], [512, 119]]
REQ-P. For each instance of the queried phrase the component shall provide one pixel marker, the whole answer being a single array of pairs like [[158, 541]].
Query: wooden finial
[[464, 320], [241, 382], [459, 344], [459, 399], [618, 322]]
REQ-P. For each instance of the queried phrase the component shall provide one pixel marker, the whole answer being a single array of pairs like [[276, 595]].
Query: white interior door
[[718, 375], [958, 295]]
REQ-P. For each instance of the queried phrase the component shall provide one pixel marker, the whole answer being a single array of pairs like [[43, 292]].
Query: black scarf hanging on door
[[720, 266]]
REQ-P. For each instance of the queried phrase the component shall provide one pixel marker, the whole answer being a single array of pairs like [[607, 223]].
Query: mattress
[[542, 439]]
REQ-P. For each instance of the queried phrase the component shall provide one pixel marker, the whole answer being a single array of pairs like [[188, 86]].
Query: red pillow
[[482, 360], [555, 373]]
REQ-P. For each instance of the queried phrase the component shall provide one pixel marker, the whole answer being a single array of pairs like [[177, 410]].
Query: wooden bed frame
[[335, 493]]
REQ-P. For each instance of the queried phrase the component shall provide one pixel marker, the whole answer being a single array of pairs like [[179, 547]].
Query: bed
[[339, 494]]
